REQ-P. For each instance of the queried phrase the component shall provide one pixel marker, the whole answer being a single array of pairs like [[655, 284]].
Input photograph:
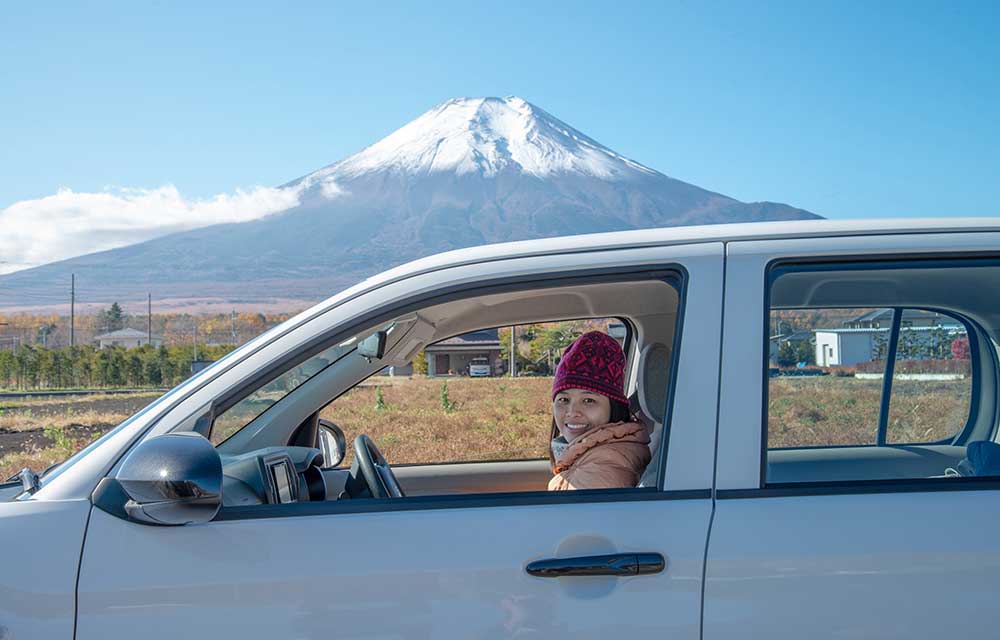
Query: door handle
[[614, 564]]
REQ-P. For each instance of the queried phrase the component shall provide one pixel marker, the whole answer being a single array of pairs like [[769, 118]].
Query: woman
[[594, 444]]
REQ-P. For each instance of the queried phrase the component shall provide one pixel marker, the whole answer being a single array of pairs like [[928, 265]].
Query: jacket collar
[[611, 432]]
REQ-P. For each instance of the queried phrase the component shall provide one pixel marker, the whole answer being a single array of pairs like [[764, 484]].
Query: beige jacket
[[612, 456]]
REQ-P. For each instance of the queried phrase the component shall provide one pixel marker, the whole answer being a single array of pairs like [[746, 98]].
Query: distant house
[[864, 338], [454, 355], [127, 338]]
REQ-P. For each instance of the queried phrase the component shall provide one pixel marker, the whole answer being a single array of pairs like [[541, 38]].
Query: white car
[[863, 503], [479, 368]]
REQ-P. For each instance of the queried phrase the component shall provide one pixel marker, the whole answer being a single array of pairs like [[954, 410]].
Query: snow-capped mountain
[[487, 136], [469, 171]]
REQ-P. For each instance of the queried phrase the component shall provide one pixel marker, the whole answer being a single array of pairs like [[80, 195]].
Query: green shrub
[[446, 402]]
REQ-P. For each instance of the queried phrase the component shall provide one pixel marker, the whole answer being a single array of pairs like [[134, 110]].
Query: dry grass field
[[500, 418], [491, 418], [827, 410]]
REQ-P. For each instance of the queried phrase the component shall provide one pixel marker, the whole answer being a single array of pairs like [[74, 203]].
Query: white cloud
[[34, 232]]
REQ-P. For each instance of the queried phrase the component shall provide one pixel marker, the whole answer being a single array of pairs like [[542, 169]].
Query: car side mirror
[[173, 479], [373, 347], [332, 444]]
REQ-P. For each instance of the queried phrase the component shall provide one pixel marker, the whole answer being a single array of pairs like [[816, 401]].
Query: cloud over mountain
[[70, 223]]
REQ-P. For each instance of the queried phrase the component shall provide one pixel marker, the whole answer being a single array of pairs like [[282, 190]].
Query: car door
[[841, 535], [437, 567]]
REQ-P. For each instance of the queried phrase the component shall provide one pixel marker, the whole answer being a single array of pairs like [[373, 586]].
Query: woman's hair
[[619, 413]]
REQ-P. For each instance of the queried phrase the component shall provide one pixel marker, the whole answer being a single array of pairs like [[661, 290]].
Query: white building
[[848, 347], [127, 338]]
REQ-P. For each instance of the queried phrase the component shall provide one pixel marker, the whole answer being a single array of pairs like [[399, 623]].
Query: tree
[[787, 355], [133, 368], [8, 366], [44, 332], [113, 318], [420, 363], [806, 352]]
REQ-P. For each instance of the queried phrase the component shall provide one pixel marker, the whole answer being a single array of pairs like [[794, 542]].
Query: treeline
[[53, 331], [31, 367]]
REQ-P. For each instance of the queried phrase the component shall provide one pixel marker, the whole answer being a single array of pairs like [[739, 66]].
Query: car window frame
[[671, 273], [778, 267]]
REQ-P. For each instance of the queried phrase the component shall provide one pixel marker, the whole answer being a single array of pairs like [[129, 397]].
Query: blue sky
[[848, 109]]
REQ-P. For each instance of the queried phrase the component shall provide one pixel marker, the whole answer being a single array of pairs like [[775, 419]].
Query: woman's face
[[577, 411]]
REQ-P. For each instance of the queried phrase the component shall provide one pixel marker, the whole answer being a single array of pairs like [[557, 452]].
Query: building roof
[[798, 336], [483, 339], [959, 327], [126, 334]]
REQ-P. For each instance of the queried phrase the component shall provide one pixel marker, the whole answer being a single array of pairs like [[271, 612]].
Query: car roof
[[694, 234]]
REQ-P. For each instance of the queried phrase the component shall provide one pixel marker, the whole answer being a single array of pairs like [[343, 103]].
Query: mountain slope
[[470, 171]]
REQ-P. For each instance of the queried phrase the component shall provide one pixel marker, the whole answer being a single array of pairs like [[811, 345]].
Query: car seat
[[650, 401]]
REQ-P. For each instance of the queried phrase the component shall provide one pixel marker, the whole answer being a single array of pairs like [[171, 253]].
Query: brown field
[[501, 418]]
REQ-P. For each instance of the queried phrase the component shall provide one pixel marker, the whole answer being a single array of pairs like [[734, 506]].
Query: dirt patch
[[18, 441], [36, 414]]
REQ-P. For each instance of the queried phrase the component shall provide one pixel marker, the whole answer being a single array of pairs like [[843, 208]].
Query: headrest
[[654, 379]]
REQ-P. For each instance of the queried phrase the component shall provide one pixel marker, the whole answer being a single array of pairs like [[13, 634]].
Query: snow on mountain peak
[[487, 136]]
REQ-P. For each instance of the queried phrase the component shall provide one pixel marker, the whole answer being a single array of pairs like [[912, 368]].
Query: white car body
[[742, 560], [480, 368]]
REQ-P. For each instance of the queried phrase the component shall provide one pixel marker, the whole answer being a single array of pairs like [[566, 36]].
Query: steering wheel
[[375, 469]]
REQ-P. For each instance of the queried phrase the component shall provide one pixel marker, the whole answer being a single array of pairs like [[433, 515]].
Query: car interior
[[959, 289], [286, 453]]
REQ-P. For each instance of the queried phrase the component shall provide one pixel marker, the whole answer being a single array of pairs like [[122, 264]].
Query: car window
[[870, 392], [437, 396]]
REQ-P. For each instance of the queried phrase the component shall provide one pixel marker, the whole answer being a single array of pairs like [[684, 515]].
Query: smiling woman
[[595, 444]]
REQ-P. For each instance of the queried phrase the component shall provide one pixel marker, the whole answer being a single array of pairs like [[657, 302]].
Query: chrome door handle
[[614, 564]]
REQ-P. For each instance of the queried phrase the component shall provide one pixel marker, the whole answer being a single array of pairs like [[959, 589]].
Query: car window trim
[[856, 487], [460, 501]]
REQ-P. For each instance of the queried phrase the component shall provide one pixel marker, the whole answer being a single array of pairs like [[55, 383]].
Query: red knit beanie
[[593, 362]]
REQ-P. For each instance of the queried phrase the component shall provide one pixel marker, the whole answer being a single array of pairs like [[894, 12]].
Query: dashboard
[[279, 475]]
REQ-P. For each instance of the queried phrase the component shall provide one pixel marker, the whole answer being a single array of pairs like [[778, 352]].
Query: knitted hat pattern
[[593, 362]]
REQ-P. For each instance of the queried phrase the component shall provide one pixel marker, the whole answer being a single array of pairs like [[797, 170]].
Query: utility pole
[[72, 310], [232, 318], [195, 340], [149, 319], [513, 354]]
